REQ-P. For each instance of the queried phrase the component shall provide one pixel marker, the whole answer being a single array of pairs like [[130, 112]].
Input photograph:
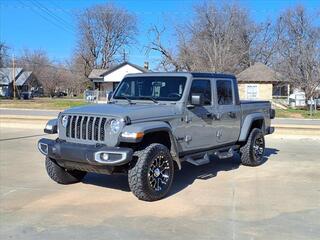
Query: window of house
[[252, 91], [224, 92], [204, 87]]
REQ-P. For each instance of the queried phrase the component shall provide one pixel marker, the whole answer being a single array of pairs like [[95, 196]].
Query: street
[[222, 200]]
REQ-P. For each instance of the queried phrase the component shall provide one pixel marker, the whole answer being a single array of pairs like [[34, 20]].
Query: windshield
[[151, 88]]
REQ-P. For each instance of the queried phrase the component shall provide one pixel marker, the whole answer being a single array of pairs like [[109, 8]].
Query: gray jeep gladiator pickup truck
[[154, 122]]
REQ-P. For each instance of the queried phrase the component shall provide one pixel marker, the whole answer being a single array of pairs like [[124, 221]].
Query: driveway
[[222, 200]]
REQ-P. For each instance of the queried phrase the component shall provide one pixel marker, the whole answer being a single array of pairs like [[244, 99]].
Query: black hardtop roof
[[193, 74], [211, 75]]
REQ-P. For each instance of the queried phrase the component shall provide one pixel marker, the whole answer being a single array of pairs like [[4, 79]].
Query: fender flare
[[245, 128], [150, 127]]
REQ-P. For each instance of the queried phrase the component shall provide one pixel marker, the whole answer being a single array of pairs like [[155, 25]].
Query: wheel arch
[[155, 132], [255, 120]]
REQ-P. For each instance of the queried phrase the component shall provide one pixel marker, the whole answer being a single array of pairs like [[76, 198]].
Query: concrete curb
[[24, 117], [295, 126], [31, 109], [39, 122], [23, 123]]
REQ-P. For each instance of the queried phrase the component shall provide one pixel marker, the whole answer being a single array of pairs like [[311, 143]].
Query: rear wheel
[[62, 175], [252, 152], [150, 179]]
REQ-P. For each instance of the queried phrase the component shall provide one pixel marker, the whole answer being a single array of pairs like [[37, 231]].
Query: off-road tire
[[247, 151], [139, 173], [61, 175]]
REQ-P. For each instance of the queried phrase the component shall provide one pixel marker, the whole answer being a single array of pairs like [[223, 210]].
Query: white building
[[108, 79]]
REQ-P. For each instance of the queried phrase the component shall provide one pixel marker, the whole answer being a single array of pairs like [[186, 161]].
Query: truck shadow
[[119, 182], [190, 173], [182, 179]]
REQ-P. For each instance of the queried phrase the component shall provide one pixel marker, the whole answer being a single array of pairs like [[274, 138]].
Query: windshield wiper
[[128, 99], [150, 98]]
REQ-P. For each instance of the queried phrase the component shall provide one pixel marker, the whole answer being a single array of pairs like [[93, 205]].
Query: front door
[[197, 131]]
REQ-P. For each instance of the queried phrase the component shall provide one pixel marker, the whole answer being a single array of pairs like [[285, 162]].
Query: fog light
[[104, 156], [43, 148]]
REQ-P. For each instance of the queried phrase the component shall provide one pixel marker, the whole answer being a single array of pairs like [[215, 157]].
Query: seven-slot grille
[[86, 128]]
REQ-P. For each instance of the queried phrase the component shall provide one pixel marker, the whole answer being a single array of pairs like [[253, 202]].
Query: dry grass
[[296, 113], [43, 103]]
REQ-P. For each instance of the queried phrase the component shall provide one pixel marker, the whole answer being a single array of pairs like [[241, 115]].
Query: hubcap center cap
[[156, 172]]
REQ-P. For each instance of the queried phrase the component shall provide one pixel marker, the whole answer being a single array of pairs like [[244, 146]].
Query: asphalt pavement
[[28, 112], [222, 200]]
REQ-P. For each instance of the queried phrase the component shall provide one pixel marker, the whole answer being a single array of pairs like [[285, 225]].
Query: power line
[[53, 15], [62, 9], [44, 17]]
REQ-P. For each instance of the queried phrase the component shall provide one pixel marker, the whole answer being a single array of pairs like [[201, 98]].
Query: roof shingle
[[6, 75], [259, 73]]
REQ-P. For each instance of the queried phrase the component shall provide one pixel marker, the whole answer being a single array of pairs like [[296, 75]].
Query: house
[[108, 79], [261, 82], [25, 81]]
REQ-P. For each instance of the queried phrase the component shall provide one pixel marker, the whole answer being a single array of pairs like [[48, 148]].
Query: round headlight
[[115, 125], [64, 121]]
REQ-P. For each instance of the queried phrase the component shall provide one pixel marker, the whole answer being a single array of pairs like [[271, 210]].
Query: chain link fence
[[96, 96]]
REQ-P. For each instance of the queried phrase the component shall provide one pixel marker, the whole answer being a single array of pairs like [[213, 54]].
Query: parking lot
[[222, 200]]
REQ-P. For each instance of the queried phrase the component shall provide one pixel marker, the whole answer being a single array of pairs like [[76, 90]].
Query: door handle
[[232, 114], [213, 116], [209, 115]]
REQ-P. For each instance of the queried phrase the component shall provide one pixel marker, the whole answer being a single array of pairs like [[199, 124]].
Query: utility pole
[[13, 77], [146, 65], [124, 55]]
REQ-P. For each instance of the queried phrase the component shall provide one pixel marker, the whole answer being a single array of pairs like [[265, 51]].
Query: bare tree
[[265, 39], [104, 30], [74, 80], [299, 50], [4, 57], [48, 75], [169, 61], [218, 39]]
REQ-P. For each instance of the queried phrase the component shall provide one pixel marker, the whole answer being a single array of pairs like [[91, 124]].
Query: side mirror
[[197, 99]]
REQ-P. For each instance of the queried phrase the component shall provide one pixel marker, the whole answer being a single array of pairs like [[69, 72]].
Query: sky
[[50, 24]]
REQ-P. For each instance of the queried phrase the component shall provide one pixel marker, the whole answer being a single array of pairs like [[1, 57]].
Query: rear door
[[228, 111]]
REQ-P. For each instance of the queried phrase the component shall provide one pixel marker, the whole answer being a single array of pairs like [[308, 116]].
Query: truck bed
[[252, 106]]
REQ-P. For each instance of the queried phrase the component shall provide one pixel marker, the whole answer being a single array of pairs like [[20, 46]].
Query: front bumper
[[74, 153]]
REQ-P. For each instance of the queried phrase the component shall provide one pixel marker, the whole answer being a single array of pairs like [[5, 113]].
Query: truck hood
[[134, 111]]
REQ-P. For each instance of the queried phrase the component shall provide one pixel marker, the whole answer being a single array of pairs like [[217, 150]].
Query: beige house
[[261, 82], [108, 79]]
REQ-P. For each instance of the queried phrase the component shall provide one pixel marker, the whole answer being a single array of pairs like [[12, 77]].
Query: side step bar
[[205, 159], [200, 161], [224, 154]]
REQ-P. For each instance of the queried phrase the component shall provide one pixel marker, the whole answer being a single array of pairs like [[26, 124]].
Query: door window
[[204, 87], [224, 92]]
